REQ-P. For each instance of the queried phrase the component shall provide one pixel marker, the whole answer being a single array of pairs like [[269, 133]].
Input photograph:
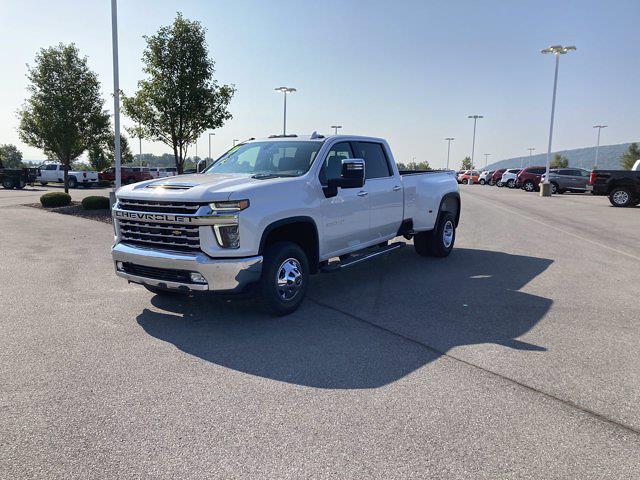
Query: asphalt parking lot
[[516, 357]]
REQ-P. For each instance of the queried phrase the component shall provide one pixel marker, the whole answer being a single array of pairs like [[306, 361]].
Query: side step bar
[[355, 260]]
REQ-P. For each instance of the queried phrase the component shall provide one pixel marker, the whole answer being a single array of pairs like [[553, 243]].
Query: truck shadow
[[367, 326]]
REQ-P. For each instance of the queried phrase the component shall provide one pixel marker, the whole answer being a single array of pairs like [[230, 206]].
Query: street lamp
[[235, 140], [531, 149], [449, 140], [557, 50], [116, 93], [210, 144], [486, 157], [599, 127], [336, 127], [285, 90], [473, 145]]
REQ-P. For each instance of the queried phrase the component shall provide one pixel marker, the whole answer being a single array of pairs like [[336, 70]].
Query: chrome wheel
[[621, 197], [289, 279], [447, 234], [528, 187]]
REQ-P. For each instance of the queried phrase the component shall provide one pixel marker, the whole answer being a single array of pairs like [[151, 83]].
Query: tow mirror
[[352, 175]]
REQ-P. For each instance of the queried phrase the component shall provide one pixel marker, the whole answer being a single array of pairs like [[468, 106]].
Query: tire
[[72, 182], [482, 182], [511, 183], [43, 183], [491, 183], [7, 183], [21, 185], [284, 279], [555, 189], [621, 197], [439, 241], [499, 184], [528, 186]]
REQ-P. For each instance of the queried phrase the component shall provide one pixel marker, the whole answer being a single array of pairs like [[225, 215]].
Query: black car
[[622, 186]]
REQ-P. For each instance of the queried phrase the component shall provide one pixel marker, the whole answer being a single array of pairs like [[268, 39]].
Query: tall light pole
[[210, 143], [116, 92], [599, 127], [473, 145], [235, 140], [449, 140], [140, 148], [285, 90], [531, 149], [336, 127], [557, 50], [486, 158]]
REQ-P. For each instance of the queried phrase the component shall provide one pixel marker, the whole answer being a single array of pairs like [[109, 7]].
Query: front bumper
[[225, 275]]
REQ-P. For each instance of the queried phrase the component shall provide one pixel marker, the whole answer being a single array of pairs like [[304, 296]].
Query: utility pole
[[473, 145], [449, 140], [599, 127]]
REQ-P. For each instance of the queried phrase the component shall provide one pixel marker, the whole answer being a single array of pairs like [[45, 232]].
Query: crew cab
[[127, 174], [269, 213], [621, 186], [54, 172]]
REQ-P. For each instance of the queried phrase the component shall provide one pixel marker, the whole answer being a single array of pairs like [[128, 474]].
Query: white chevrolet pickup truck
[[269, 213]]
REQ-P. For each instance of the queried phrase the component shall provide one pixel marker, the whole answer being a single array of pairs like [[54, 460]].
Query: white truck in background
[[269, 213], [54, 172]]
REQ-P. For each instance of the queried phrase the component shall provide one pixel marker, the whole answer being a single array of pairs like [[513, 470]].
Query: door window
[[332, 165], [375, 160]]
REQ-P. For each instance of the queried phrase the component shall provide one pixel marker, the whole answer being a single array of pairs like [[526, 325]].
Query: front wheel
[[482, 181], [621, 197], [7, 183], [529, 186], [72, 182], [511, 184], [499, 183], [438, 242], [284, 280]]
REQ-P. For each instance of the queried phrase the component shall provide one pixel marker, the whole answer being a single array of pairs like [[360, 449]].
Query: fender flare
[[288, 221], [455, 196]]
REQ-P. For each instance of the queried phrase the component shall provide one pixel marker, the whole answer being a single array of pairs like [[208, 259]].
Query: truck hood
[[192, 188]]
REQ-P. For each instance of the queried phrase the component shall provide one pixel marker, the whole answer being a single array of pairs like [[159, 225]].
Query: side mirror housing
[[352, 175]]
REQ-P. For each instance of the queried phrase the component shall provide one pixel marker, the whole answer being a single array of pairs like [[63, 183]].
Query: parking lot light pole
[[599, 127], [531, 149], [486, 158], [449, 140], [116, 93], [557, 50], [235, 140], [210, 144], [285, 90], [473, 145], [336, 127]]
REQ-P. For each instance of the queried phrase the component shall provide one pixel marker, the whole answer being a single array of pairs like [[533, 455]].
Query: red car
[[497, 175], [128, 174], [529, 178]]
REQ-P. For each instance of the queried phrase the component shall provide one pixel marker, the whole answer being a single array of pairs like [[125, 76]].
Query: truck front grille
[[160, 235], [179, 276], [159, 207]]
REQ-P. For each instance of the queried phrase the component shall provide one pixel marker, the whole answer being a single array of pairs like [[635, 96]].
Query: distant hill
[[608, 158]]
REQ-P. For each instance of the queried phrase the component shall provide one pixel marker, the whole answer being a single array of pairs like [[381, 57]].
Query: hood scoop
[[171, 185]]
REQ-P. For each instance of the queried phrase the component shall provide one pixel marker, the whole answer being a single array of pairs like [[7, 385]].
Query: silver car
[[568, 180]]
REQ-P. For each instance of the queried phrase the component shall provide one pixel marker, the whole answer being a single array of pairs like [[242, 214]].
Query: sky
[[409, 71]]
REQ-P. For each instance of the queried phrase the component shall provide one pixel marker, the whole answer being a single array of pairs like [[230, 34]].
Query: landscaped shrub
[[55, 199], [95, 203]]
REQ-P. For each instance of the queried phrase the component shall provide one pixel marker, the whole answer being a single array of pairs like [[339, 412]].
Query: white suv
[[509, 178]]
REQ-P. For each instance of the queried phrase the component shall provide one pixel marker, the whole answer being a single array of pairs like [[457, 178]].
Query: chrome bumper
[[229, 275]]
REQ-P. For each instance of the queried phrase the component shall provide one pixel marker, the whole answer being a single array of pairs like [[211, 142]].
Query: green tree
[[10, 156], [559, 161], [63, 115], [102, 154], [179, 99], [466, 164], [631, 156]]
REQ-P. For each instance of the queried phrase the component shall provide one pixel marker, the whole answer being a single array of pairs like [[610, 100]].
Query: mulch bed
[[76, 210]]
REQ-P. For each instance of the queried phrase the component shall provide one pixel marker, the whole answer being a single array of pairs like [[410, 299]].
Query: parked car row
[[621, 186]]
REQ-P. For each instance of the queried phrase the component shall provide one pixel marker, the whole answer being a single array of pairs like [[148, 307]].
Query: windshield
[[283, 159]]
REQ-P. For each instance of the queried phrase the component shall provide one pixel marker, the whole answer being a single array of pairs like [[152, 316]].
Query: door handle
[[397, 188], [362, 193]]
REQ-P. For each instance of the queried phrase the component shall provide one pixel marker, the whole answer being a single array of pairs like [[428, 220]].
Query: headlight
[[229, 206]]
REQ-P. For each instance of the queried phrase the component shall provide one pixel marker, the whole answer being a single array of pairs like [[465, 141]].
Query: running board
[[350, 262]]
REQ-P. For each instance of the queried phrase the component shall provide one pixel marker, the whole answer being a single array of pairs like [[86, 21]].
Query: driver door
[[345, 217]]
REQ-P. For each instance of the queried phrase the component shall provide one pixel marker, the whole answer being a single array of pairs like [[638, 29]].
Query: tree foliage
[[466, 164], [559, 161], [179, 99], [102, 154], [414, 166], [63, 115], [10, 156], [631, 156]]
